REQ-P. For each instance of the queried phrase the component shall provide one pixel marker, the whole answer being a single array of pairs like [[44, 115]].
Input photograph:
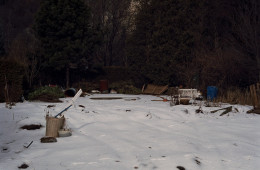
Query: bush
[[125, 87], [47, 94]]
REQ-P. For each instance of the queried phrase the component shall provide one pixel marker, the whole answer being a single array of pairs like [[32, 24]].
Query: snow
[[130, 134]]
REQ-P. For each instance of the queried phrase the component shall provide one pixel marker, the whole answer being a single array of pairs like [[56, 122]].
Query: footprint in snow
[[4, 149]]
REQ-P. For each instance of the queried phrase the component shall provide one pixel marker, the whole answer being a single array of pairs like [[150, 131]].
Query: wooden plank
[[149, 89], [160, 89], [163, 89], [258, 94], [253, 95], [143, 88], [154, 89]]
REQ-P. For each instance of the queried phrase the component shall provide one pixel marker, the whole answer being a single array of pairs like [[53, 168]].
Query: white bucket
[[64, 133]]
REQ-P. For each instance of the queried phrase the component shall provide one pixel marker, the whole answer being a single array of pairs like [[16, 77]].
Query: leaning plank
[[149, 89], [70, 103], [154, 89], [162, 89]]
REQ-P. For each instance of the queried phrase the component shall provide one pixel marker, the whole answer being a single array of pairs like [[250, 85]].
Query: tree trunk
[[257, 51], [67, 77]]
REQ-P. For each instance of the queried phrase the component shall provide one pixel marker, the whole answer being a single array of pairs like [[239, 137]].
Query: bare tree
[[25, 50], [112, 18], [16, 15], [246, 30]]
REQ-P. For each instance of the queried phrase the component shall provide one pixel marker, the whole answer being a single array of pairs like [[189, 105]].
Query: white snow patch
[[129, 134]]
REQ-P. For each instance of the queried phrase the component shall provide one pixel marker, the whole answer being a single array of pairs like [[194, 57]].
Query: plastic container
[[70, 92], [212, 92], [64, 133]]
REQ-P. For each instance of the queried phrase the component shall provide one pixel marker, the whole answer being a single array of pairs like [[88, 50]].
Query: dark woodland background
[[193, 43]]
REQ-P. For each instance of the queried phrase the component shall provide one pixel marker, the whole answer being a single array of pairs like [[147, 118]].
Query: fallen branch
[[256, 111], [199, 110], [227, 110], [28, 145]]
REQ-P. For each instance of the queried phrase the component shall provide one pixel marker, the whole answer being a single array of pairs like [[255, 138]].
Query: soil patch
[[31, 127], [48, 139], [4, 149], [106, 98], [23, 166], [180, 167]]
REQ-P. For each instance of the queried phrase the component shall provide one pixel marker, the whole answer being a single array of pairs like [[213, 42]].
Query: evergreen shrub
[[47, 94], [125, 87]]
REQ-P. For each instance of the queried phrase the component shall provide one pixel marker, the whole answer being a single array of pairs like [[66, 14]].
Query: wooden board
[[154, 89], [254, 95]]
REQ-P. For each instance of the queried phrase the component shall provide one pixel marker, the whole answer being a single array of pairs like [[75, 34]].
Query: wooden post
[[7, 99], [253, 95], [154, 90], [258, 94], [53, 125]]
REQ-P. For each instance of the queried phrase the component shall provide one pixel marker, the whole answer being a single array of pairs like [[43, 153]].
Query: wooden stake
[[253, 95], [258, 94]]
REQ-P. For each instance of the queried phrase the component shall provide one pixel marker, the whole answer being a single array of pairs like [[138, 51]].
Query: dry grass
[[235, 96]]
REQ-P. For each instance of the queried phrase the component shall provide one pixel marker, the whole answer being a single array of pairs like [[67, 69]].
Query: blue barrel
[[70, 92], [212, 92]]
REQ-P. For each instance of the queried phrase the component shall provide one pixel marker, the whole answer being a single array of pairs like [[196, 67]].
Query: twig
[[28, 145]]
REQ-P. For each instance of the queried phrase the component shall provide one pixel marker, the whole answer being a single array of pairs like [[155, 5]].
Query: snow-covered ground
[[127, 134]]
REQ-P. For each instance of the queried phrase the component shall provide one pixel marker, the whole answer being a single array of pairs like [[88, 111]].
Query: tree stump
[[53, 125]]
